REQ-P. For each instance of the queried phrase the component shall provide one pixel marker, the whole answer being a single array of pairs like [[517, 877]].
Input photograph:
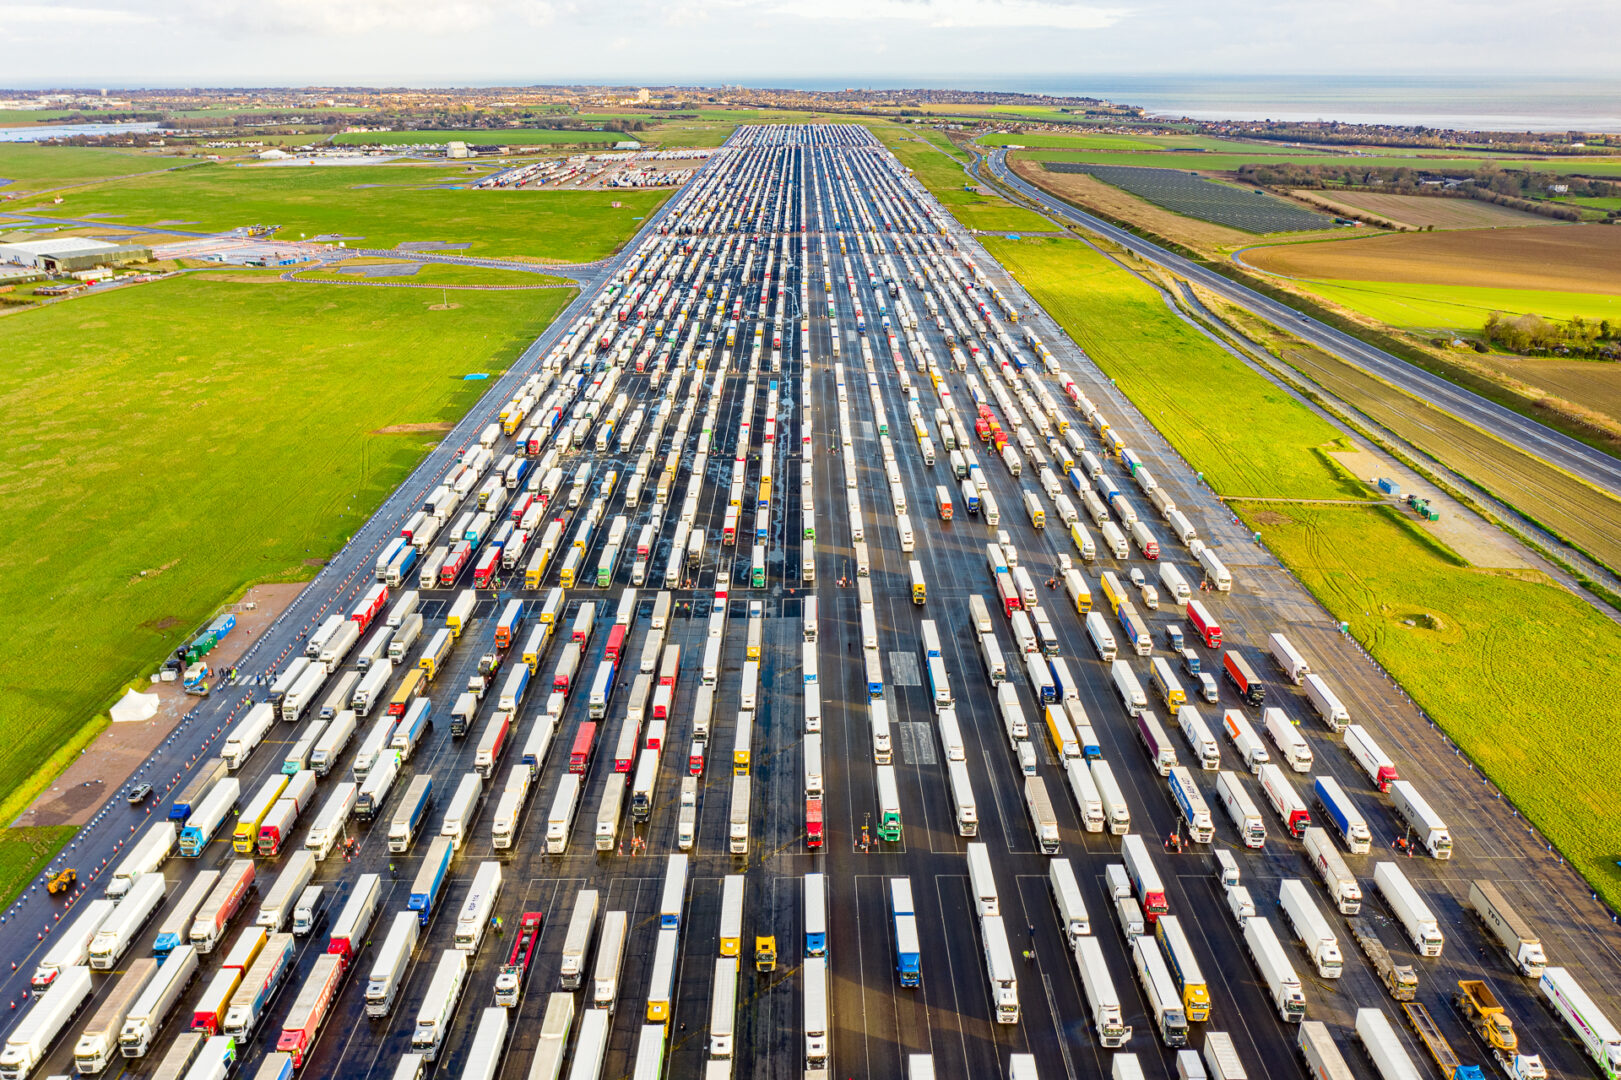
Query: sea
[[1468, 104]]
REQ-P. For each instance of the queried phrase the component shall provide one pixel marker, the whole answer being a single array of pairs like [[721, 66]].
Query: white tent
[[135, 706]]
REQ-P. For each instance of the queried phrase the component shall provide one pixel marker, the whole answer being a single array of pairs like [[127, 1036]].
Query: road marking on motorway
[[904, 667], [917, 743]]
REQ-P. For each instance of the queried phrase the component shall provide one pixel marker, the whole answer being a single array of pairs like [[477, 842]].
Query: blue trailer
[[430, 880], [402, 564], [908, 953], [392, 549], [277, 1066], [209, 773], [412, 727], [1077, 481], [1348, 820], [409, 814], [1130, 461]]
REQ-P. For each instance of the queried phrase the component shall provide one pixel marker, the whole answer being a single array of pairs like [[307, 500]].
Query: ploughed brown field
[[1562, 258], [1422, 210]]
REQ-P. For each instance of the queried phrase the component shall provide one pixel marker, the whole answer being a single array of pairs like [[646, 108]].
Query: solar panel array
[[1193, 195]]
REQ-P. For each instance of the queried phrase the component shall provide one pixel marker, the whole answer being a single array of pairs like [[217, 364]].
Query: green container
[[201, 647]]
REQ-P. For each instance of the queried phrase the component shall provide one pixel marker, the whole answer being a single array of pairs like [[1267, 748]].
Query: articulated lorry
[[98, 1043], [34, 1034]]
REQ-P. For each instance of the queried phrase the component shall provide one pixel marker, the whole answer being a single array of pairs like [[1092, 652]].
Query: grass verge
[[24, 853], [23, 795], [1211, 406], [938, 166], [172, 443], [1474, 648], [1582, 516]]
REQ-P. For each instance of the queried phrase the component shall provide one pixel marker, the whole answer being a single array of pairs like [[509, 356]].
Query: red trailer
[[1243, 677], [585, 743], [455, 563], [514, 973], [1008, 592], [813, 822], [370, 606], [484, 570], [310, 1011], [1205, 623], [616, 644], [625, 753]]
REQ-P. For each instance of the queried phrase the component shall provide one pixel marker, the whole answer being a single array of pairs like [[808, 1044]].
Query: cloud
[[964, 14], [66, 15], [356, 17]]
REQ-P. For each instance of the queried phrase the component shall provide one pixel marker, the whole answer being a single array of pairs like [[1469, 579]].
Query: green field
[[939, 167], [451, 274], [272, 110], [27, 117], [1477, 658], [1459, 307], [1230, 162], [24, 853], [495, 137], [383, 205], [674, 133], [36, 168], [172, 443], [1044, 113], [1101, 141], [1595, 202], [1243, 433]]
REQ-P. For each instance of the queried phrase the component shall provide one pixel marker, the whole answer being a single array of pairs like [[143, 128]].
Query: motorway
[[800, 194], [1596, 467]]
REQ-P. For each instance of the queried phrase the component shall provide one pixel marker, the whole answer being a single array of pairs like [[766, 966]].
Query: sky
[[784, 42]]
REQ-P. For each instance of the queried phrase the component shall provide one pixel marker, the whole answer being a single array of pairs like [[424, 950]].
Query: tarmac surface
[[875, 1023]]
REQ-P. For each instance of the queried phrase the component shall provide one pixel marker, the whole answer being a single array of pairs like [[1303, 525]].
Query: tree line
[[1532, 335], [1519, 189]]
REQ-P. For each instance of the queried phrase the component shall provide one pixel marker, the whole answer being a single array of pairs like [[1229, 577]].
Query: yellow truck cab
[[765, 953]]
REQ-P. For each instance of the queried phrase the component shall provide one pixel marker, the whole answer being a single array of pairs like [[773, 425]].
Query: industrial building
[[65, 254]]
